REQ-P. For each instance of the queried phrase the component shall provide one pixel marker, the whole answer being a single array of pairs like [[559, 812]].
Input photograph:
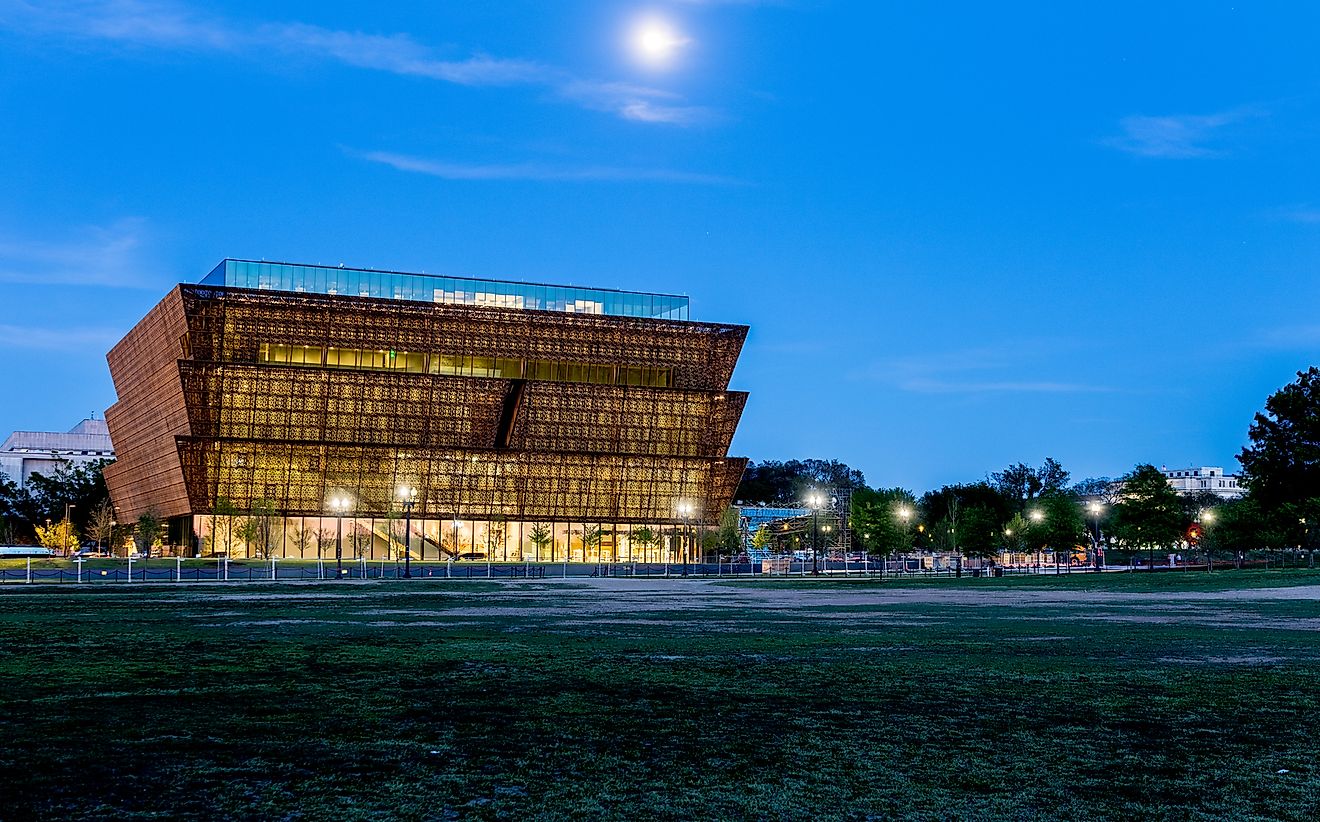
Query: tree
[[302, 539], [645, 537], [877, 519], [1015, 534], [61, 537], [1055, 522], [147, 531], [1149, 514], [728, 538], [226, 526], [592, 536], [1021, 483], [1282, 464], [81, 486], [102, 525], [261, 527], [786, 483], [979, 532], [359, 540], [541, 537], [761, 538], [323, 536]]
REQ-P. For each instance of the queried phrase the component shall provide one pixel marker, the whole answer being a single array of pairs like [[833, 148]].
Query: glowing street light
[[339, 505], [685, 510], [814, 502], [409, 496], [1095, 509]]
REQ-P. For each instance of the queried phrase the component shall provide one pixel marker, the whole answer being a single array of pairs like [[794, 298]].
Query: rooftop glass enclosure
[[363, 282]]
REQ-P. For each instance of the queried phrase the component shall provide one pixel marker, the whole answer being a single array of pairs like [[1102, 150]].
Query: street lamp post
[[813, 502], [685, 514], [1095, 508], [1037, 516], [905, 514], [409, 495], [1204, 518], [68, 526], [339, 505]]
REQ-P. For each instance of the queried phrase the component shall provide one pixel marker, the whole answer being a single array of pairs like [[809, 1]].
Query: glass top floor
[[365, 282]]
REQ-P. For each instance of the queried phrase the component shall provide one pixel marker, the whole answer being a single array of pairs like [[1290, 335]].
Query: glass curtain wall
[[432, 540]]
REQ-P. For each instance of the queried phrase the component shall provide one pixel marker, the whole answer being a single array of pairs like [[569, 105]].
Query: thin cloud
[[110, 256], [170, 26], [536, 172], [1305, 214], [63, 339], [1177, 136], [935, 386], [972, 371]]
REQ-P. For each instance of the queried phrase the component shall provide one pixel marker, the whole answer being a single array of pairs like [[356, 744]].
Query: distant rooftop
[[400, 285]]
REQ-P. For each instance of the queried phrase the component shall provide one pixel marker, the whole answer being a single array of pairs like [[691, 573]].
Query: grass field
[[1172, 696]]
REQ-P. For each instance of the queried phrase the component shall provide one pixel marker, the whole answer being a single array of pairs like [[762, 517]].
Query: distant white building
[[25, 453], [1205, 479]]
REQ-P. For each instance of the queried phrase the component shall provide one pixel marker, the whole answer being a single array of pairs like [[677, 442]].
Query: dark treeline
[[25, 511], [1032, 509]]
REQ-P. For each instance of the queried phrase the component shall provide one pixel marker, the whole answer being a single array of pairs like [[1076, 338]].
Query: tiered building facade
[[526, 422]]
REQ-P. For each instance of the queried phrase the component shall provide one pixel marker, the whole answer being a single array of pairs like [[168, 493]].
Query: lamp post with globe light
[[1094, 508], [1037, 516], [409, 496], [904, 515], [1205, 517], [339, 505], [814, 502]]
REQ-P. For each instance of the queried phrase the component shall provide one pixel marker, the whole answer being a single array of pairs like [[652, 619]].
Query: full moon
[[655, 41]]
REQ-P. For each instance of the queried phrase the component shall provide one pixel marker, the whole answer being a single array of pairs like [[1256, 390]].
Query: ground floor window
[[460, 540]]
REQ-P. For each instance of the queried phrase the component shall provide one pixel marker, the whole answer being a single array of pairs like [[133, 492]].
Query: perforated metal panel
[[202, 417]]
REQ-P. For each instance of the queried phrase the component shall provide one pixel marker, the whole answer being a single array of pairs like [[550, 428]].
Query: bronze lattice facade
[[506, 421]]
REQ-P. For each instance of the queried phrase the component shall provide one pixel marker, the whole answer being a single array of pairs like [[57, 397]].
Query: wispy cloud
[[109, 256], [1306, 214], [536, 171], [972, 371], [57, 339], [1178, 136], [937, 386], [162, 25]]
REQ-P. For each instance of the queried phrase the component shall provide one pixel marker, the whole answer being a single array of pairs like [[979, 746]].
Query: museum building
[[281, 410]]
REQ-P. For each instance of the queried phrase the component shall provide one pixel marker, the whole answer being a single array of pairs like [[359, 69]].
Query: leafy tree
[[645, 537], [877, 521], [80, 485], [1016, 532], [226, 526], [1150, 514], [359, 540], [147, 531], [728, 538], [301, 537], [592, 536], [1021, 484], [324, 537], [761, 538], [787, 483], [263, 520], [102, 525], [1055, 522], [540, 536], [61, 537], [979, 532], [1282, 464]]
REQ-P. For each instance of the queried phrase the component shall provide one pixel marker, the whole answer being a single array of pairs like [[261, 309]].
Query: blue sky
[[964, 235]]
